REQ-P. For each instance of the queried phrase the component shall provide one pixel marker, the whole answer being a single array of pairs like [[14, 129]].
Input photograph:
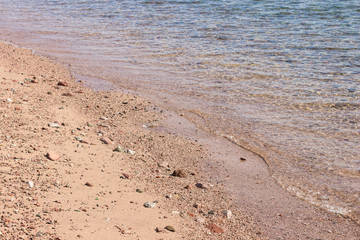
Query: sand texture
[[62, 179]]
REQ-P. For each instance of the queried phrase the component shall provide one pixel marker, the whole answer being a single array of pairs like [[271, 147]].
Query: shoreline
[[89, 190], [157, 179]]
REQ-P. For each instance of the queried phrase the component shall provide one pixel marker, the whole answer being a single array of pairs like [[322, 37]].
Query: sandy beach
[[83, 164], [62, 179]]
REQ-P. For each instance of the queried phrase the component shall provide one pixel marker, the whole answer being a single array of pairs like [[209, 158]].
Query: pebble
[[9, 100], [227, 213], [106, 140], [202, 185], [78, 139], [31, 184], [214, 228], [126, 175], [88, 184], [64, 84], [180, 173], [52, 155], [103, 118], [170, 228], [54, 125], [159, 230], [197, 205], [131, 152], [119, 149], [200, 220], [149, 204], [164, 164], [191, 214]]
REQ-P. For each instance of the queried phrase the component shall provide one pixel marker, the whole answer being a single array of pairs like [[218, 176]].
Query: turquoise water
[[279, 77]]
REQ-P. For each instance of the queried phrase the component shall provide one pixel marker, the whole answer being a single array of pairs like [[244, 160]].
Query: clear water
[[281, 78]]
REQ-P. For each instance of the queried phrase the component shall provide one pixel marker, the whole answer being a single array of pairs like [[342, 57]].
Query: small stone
[[131, 152], [149, 204], [164, 164], [119, 149], [202, 185], [9, 100], [88, 184], [179, 173], [227, 214], [54, 125], [139, 190], [126, 175], [214, 228], [64, 84], [188, 187], [31, 184], [159, 230], [170, 228], [243, 159], [197, 205], [200, 219], [103, 118], [191, 214], [78, 139], [52, 155], [106, 140]]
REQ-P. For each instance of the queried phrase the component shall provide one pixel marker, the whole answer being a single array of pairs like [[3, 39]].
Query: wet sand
[[90, 191]]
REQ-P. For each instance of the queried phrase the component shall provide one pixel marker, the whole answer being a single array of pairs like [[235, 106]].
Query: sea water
[[281, 78]]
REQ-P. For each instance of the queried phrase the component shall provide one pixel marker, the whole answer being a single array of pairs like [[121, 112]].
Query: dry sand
[[62, 179], [87, 190]]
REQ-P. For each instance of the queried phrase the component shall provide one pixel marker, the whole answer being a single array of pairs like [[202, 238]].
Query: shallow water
[[278, 77]]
